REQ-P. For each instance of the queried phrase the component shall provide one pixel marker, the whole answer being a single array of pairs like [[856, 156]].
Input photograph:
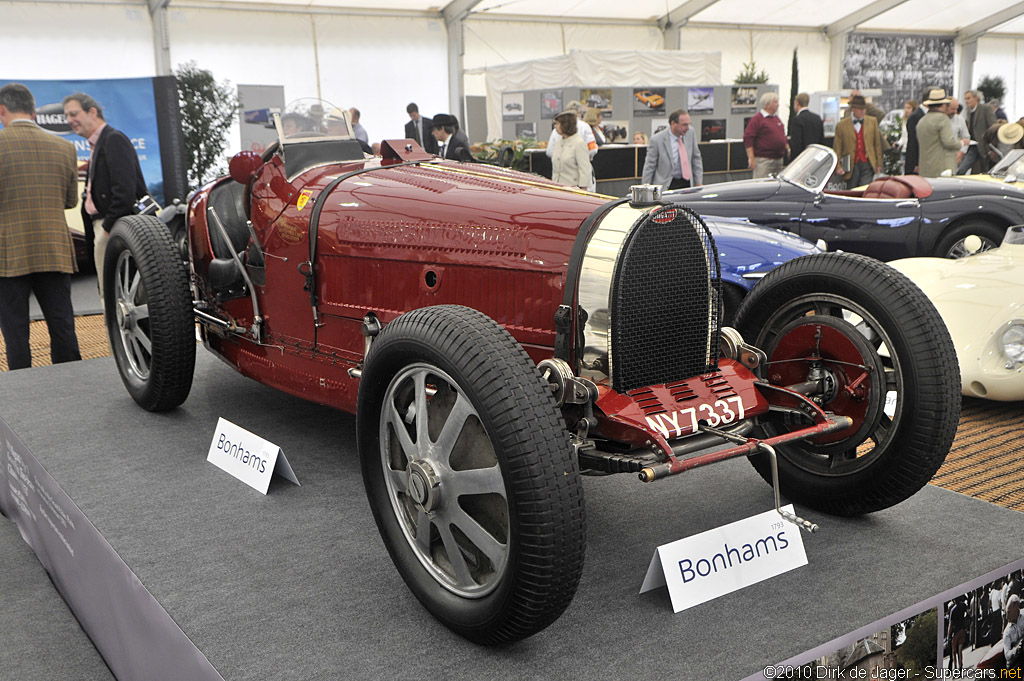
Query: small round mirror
[[972, 243], [244, 165]]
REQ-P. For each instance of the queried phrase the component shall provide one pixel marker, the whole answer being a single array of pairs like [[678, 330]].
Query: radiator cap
[[644, 194]]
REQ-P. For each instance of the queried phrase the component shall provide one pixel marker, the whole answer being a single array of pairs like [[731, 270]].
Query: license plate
[[684, 421]]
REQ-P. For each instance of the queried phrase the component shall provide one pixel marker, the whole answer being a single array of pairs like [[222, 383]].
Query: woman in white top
[[909, 107], [570, 161]]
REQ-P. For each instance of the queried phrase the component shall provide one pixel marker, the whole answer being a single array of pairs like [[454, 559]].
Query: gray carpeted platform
[[39, 637], [298, 585]]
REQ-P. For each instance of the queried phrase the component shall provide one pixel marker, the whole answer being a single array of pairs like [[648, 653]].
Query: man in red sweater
[[765, 138]]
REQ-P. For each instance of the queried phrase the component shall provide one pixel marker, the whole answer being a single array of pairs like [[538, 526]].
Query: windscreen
[[310, 118], [812, 168]]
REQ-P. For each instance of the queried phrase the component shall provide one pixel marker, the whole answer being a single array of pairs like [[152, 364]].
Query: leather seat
[[888, 188], [227, 200]]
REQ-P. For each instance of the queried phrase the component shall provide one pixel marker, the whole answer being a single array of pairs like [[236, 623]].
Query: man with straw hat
[[1009, 136], [935, 137]]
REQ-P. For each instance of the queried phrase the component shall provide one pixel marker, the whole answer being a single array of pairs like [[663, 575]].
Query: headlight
[[1013, 344]]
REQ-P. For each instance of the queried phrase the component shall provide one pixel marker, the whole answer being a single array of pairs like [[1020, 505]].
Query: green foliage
[[992, 87], [750, 74], [891, 157], [208, 110], [489, 151], [918, 650]]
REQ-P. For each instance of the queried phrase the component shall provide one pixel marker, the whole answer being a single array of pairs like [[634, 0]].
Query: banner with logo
[[130, 105]]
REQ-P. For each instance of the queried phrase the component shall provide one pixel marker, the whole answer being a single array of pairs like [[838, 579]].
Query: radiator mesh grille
[[665, 311]]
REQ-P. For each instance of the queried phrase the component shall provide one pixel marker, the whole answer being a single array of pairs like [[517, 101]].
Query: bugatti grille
[[664, 305]]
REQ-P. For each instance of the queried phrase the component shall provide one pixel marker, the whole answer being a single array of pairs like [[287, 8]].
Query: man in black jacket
[[913, 157], [806, 127], [419, 128], [115, 181], [452, 143]]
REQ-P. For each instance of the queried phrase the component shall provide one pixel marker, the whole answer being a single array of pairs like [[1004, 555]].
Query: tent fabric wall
[[772, 50], [612, 68], [1001, 57], [492, 43], [376, 64], [47, 41], [495, 43]]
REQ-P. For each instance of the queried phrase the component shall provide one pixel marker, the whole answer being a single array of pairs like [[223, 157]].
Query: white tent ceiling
[[385, 53], [931, 16]]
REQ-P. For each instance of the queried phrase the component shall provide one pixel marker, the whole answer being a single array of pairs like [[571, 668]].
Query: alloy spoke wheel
[[444, 481], [132, 312]]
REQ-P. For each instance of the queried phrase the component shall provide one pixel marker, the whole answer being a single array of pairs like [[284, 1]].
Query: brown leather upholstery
[[887, 188], [901, 187]]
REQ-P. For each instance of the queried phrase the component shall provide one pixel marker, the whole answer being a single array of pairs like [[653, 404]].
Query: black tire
[[527, 515], [951, 244], [179, 230], [890, 453], [732, 298], [149, 312]]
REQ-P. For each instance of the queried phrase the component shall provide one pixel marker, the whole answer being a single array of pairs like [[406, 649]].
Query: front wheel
[[952, 244], [469, 472], [148, 311], [874, 349]]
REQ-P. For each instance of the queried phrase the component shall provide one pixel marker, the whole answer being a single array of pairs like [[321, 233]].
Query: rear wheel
[[149, 312], [880, 354], [951, 245], [470, 475]]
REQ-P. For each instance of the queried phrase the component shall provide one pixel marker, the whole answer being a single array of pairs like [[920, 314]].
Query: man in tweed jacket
[[38, 180]]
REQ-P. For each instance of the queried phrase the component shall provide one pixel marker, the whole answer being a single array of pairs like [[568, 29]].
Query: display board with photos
[[527, 131], [700, 100], [649, 101], [743, 99], [597, 98], [901, 66], [550, 104], [717, 112], [512, 106]]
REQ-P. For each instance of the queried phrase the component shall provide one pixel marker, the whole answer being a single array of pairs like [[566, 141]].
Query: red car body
[[367, 268], [512, 271], [414, 291]]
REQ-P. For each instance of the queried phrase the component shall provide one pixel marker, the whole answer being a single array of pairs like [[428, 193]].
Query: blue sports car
[[747, 252]]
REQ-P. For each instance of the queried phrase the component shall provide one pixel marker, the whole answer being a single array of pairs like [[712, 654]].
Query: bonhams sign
[[713, 563]]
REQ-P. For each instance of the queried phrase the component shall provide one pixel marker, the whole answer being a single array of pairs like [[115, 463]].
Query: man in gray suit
[[935, 137], [665, 165], [979, 119]]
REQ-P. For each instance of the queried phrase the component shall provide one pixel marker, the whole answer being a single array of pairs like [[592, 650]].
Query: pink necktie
[[684, 159]]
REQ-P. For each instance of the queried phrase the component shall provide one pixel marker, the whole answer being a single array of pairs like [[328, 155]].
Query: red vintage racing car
[[496, 334]]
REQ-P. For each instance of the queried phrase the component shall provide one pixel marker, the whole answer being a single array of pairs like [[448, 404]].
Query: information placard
[[713, 563], [247, 456]]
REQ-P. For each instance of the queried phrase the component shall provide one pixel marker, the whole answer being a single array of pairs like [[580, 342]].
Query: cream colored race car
[[981, 299]]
